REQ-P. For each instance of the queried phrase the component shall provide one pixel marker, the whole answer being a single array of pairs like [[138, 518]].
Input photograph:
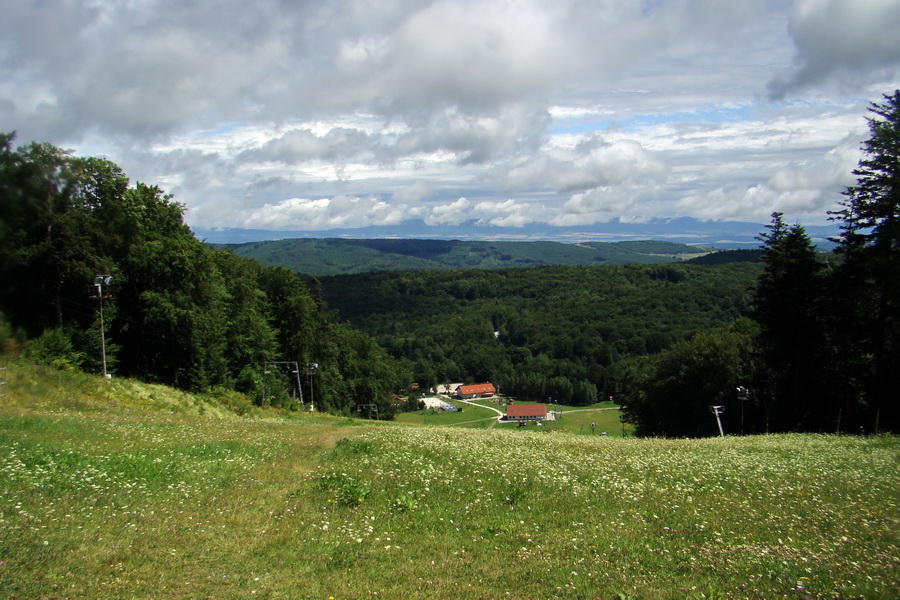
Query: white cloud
[[449, 214], [803, 188], [323, 213], [412, 193], [346, 113], [507, 213], [598, 204], [846, 39], [478, 54]]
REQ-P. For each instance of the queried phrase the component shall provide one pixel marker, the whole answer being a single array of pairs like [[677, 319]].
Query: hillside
[[115, 489], [323, 257], [546, 331]]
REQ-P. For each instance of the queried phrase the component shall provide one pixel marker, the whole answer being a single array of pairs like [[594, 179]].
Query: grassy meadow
[[470, 416], [113, 489], [572, 419]]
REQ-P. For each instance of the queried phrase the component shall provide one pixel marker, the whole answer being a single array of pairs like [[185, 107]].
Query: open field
[[578, 421], [574, 419], [131, 491], [470, 416]]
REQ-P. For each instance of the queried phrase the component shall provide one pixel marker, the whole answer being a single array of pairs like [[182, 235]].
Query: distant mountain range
[[684, 230]]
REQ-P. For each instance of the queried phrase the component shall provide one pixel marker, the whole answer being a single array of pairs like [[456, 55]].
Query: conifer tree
[[790, 341], [869, 277]]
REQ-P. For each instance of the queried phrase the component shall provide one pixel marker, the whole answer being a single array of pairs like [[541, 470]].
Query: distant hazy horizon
[[719, 234]]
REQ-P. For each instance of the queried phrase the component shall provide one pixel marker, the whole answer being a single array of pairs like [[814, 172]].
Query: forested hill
[[83, 251], [565, 332], [324, 257]]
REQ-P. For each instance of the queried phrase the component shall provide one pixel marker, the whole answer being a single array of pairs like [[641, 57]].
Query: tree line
[[819, 348], [799, 341], [175, 311], [566, 333]]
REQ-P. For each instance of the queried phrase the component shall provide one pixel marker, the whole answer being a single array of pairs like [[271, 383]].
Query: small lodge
[[525, 412], [475, 390]]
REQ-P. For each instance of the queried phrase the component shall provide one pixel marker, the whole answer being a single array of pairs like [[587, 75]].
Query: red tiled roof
[[526, 410], [477, 388]]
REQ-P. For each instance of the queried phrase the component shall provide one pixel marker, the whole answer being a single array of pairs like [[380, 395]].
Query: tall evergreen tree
[[870, 246], [791, 338]]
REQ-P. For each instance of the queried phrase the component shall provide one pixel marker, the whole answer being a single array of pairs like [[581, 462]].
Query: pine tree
[[791, 337], [870, 246], [870, 273]]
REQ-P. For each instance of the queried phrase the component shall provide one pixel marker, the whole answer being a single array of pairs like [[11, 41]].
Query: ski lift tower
[[718, 410], [311, 369], [293, 369], [99, 282]]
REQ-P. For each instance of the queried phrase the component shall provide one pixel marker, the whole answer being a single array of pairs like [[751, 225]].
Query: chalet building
[[526, 412], [475, 390]]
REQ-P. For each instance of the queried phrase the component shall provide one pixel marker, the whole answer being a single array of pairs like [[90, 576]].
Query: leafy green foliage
[[177, 311], [795, 374], [561, 332], [54, 348], [675, 397]]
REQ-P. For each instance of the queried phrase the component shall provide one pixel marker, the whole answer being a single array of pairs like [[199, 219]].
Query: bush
[[54, 348]]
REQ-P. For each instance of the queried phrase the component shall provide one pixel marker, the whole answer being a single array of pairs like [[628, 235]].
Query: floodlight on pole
[[718, 410], [99, 282], [743, 395], [311, 369]]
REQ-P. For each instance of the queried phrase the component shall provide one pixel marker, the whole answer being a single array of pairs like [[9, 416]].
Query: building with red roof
[[475, 390], [526, 412]]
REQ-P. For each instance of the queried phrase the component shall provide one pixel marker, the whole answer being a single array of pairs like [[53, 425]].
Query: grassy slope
[[121, 490]]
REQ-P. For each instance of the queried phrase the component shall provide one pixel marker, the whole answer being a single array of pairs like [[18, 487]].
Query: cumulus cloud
[[810, 187], [345, 113], [507, 213], [297, 146], [324, 213], [479, 54], [598, 204], [412, 193], [854, 40], [449, 214]]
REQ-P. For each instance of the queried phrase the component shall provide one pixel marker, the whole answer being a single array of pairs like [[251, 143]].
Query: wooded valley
[[104, 276], [569, 333]]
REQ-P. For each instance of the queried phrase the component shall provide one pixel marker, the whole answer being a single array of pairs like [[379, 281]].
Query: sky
[[321, 114]]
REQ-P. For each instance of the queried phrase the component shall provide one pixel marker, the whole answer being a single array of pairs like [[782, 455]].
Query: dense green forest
[[803, 342], [323, 257], [174, 311], [561, 332], [820, 348], [780, 339]]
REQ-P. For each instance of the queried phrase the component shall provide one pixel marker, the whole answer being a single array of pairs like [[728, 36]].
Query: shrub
[[54, 348]]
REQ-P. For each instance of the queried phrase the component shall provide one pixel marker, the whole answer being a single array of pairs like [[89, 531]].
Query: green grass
[[470, 417], [574, 419], [578, 421], [126, 491]]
